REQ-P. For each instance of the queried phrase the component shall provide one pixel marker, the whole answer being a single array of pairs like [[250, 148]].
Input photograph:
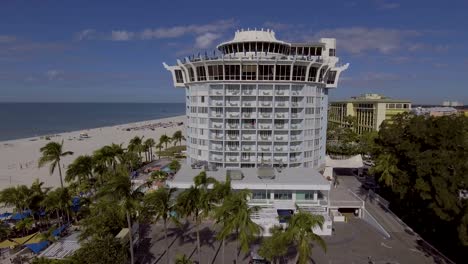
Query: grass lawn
[[171, 151]]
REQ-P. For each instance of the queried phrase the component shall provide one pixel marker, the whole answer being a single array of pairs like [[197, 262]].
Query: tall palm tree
[[197, 202], [149, 145], [80, 169], [174, 165], [178, 137], [25, 225], [300, 232], [121, 190], [15, 196], [51, 153], [159, 146], [221, 192], [164, 139], [60, 201], [275, 247], [160, 204], [385, 166], [136, 145], [238, 219], [203, 181]]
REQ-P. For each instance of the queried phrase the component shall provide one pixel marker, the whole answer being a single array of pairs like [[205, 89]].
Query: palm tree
[[15, 196], [183, 259], [60, 201], [222, 191], [25, 225], [149, 145], [80, 169], [238, 219], [300, 233], [160, 205], [136, 145], [159, 175], [385, 166], [203, 181], [51, 153], [164, 139], [159, 146], [120, 189], [174, 165], [178, 137], [276, 246]]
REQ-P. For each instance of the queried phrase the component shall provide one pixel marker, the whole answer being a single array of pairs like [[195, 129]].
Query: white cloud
[[85, 34], [121, 35], [206, 40], [54, 74], [357, 40], [178, 31], [6, 39]]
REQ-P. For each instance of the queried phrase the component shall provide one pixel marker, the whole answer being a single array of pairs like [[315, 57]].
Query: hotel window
[[299, 73], [265, 72], [283, 72], [191, 74], [249, 72], [322, 72], [318, 51], [202, 110], [283, 195], [215, 72], [201, 73], [309, 195], [312, 74], [202, 99], [331, 77], [332, 52], [178, 76], [260, 195], [232, 72]]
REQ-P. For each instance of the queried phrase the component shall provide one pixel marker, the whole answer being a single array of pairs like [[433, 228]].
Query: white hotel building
[[261, 103]]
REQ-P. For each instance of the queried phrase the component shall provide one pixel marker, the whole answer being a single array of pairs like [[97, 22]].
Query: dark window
[[331, 77], [299, 51], [201, 73], [249, 72], [293, 50], [265, 72], [322, 72], [306, 51], [332, 52], [247, 47], [232, 72], [178, 76], [299, 73], [312, 74], [319, 51], [191, 74], [215, 72], [283, 72], [241, 47], [270, 47]]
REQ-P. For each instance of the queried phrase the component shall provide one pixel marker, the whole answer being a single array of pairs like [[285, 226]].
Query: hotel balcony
[[266, 92], [249, 137], [216, 114], [216, 125], [233, 114], [232, 158], [297, 104], [296, 126], [248, 91], [281, 137], [232, 148], [281, 115], [295, 159], [217, 147], [282, 92], [248, 158], [296, 92], [264, 148], [265, 159], [265, 103], [265, 126], [296, 148], [281, 126], [216, 158], [280, 148], [297, 138], [249, 115], [282, 160], [250, 147], [216, 103], [216, 92], [232, 126], [249, 103], [233, 137], [217, 136], [265, 115], [233, 92], [248, 126], [264, 138], [232, 103], [281, 104], [297, 115]]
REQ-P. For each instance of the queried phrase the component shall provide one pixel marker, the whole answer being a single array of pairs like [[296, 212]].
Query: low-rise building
[[367, 110], [435, 111]]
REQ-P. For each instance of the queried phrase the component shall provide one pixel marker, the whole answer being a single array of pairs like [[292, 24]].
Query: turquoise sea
[[21, 120]]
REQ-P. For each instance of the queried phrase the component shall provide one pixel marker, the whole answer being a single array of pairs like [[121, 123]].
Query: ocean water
[[21, 120]]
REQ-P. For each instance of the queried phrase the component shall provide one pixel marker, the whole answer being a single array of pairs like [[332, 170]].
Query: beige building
[[369, 111]]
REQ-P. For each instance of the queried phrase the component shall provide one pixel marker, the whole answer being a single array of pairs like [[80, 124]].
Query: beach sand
[[19, 158]]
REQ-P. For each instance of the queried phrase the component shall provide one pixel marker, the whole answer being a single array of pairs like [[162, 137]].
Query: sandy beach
[[18, 158]]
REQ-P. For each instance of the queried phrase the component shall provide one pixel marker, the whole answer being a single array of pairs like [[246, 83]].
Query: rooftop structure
[[259, 101], [368, 110]]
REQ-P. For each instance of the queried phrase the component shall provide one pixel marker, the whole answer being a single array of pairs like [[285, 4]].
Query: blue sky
[[112, 51]]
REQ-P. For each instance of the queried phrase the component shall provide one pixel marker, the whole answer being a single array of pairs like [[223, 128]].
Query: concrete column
[[315, 195]]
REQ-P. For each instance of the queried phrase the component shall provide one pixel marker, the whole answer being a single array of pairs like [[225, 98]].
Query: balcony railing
[[233, 126], [217, 136], [214, 92], [279, 92], [217, 125], [265, 137], [296, 138], [247, 115], [296, 92], [247, 92], [296, 149], [233, 103], [232, 148], [248, 126], [232, 137], [296, 104], [265, 115], [279, 126], [264, 149], [216, 114], [265, 126], [232, 92], [279, 149], [265, 103], [296, 127], [233, 115], [266, 92], [218, 103], [281, 104], [233, 159], [248, 103], [220, 148], [280, 137], [281, 115], [247, 148], [249, 137], [217, 158]]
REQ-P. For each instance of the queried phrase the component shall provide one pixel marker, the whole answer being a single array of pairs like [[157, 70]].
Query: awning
[[8, 243], [33, 238], [5, 216], [59, 230], [20, 216], [38, 247]]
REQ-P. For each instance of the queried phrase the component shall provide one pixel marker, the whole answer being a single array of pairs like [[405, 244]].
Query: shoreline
[[89, 128], [18, 157]]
